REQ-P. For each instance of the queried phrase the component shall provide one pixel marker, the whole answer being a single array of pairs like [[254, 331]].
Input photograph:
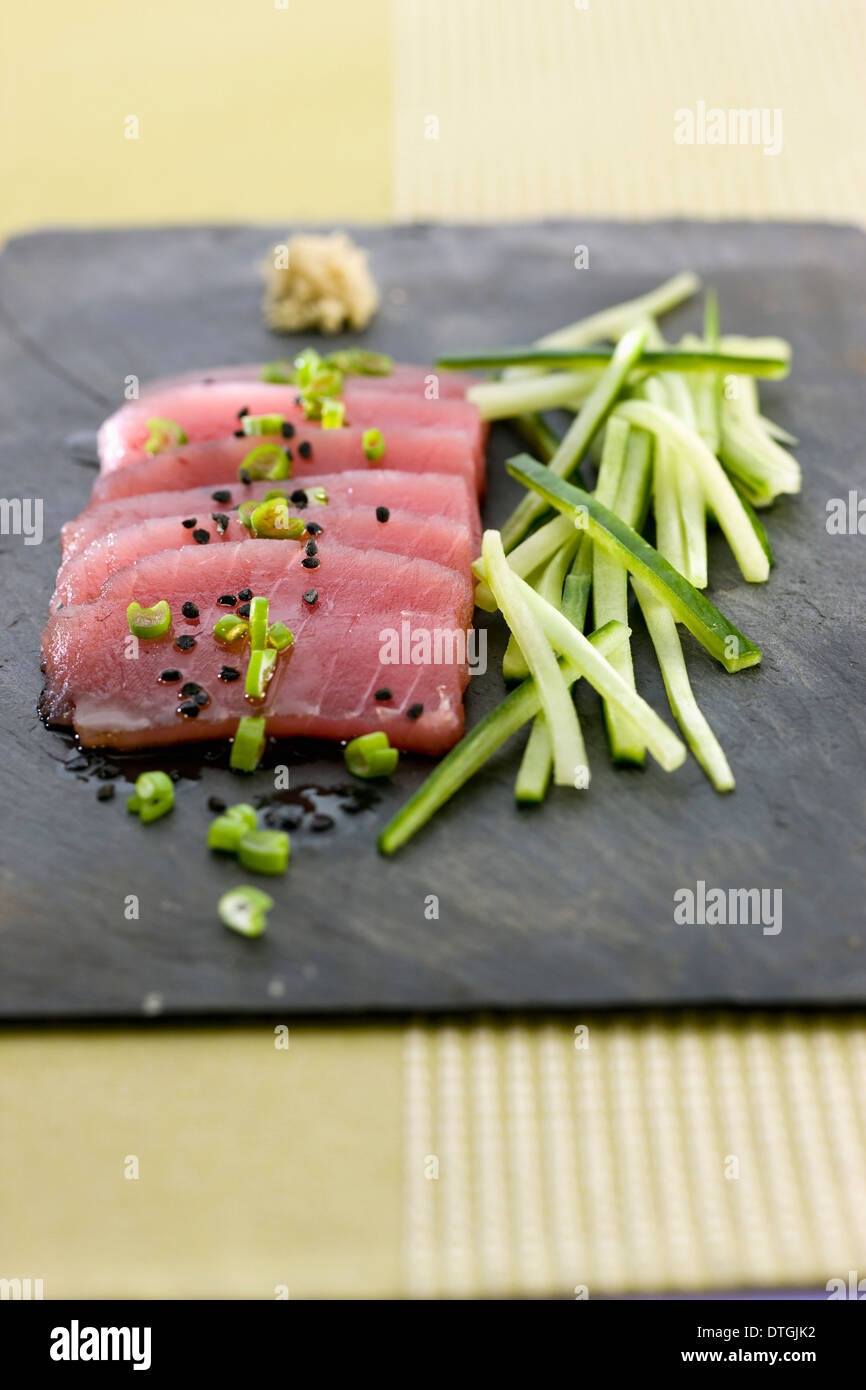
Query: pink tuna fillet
[[333, 451], [212, 412], [324, 686], [402, 533], [434, 494], [404, 378]]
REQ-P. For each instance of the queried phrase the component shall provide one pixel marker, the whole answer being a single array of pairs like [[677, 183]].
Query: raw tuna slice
[[332, 451], [372, 615], [404, 377], [212, 412], [433, 494], [402, 533]]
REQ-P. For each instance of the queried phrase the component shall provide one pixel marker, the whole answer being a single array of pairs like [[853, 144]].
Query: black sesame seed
[[283, 820], [189, 688], [201, 537], [105, 774], [299, 497], [222, 495], [245, 475], [382, 513], [189, 710], [221, 520], [227, 600], [185, 643], [311, 548], [314, 528], [321, 822], [229, 673], [239, 434], [169, 675], [190, 522], [288, 429], [216, 803], [414, 711], [299, 400], [312, 562], [384, 694], [201, 698], [189, 610], [311, 596], [244, 410], [105, 793], [305, 450], [245, 595], [244, 610]]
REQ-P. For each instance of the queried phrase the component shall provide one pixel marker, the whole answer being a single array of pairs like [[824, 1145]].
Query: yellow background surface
[[308, 1169]]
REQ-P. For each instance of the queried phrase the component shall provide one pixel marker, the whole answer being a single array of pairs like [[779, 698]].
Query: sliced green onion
[[279, 637], [154, 796], [306, 364], [265, 461], [264, 851], [230, 628], [225, 832], [149, 622], [688, 605], [163, 434], [259, 672], [258, 623], [664, 745], [263, 424], [589, 419], [333, 415], [569, 752], [370, 755], [473, 751], [273, 494], [279, 372], [667, 359], [373, 444], [245, 513], [318, 494], [717, 487], [536, 765], [245, 910], [272, 521], [248, 744], [361, 362]]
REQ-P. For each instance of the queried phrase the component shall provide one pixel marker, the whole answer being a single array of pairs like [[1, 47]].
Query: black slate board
[[567, 906]]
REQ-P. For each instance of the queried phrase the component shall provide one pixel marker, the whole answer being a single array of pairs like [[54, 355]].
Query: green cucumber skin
[[688, 605]]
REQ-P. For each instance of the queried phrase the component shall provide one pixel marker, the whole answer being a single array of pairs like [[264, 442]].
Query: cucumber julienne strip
[[697, 732], [717, 487], [592, 414], [721, 639], [691, 497], [610, 595], [661, 741], [473, 751], [535, 551], [499, 400], [536, 765], [569, 752], [549, 584], [666, 359]]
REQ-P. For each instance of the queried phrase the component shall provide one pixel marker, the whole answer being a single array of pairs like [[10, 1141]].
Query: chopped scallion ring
[[259, 672], [370, 755], [258, 623], [278, 373], [265, 461], [333, 415], [163, 434], [230, 628], [225, 833], [374, 445], [318, 494], [279, 636], [148, 623], [245, 910], [264, 851], [263, 424], [271, 520], [154, 796], [361, 362], [248, 744]]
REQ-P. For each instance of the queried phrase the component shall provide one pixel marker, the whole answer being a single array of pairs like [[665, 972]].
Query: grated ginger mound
[[326, 286]]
